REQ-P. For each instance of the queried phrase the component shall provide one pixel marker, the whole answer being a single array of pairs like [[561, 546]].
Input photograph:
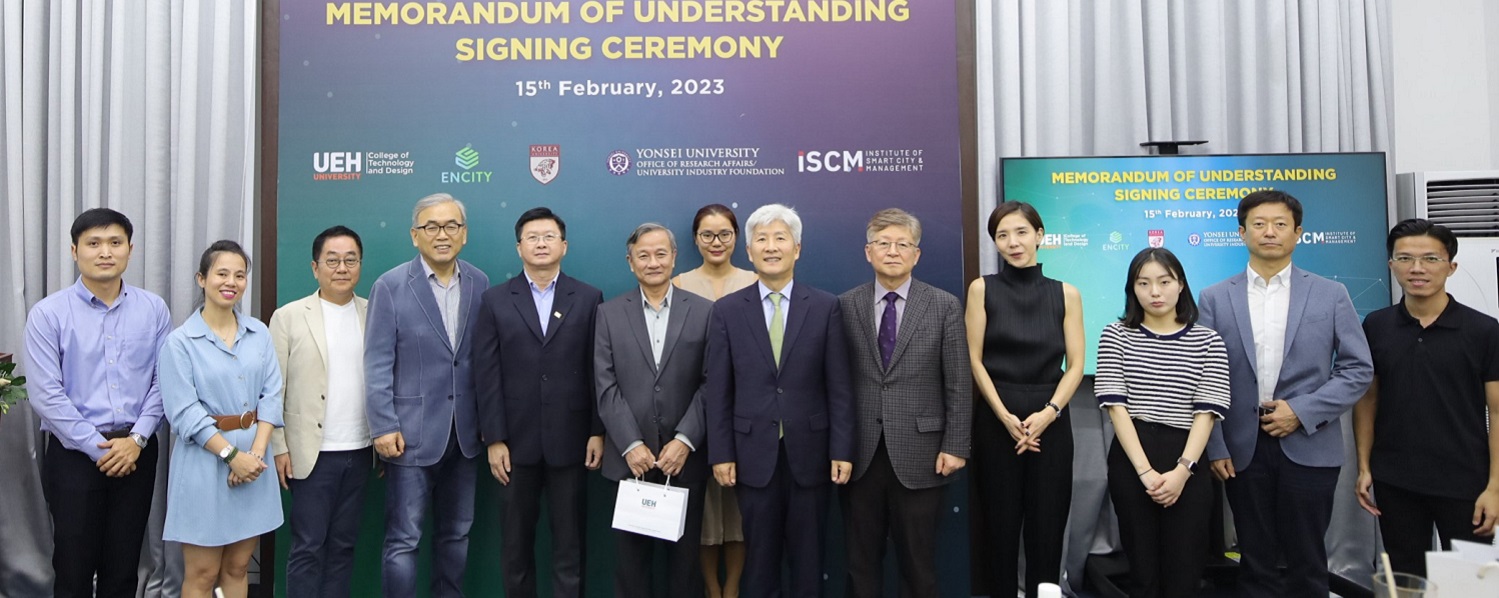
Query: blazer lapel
[[1300, 293], [754, 312], [315, 329], [1238, 299], [674, 322], [793, 325], [466, 303], [562, 303], [525, 305], [864, 314], [636, 318], [917, 300], [421, 288]]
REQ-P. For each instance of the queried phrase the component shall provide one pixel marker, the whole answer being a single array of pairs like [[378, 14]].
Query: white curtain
[[1086, 78], [147, 107]]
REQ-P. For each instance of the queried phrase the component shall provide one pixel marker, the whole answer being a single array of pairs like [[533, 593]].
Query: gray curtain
[[147, 107], [1087, 78]]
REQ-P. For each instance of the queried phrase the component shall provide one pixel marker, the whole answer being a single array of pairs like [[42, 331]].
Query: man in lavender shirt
[[90, 357]]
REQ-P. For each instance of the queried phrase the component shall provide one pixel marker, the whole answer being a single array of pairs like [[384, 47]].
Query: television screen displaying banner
[[1100, 212]]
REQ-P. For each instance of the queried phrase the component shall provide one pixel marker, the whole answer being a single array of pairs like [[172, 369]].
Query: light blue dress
[[199, 376]]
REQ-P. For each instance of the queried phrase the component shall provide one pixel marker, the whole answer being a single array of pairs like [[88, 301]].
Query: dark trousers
[[1030, 493], [1167, 547], [325, 511], [1281, 513], [1407, 518], [567, 506], [633, 562], [783, 518], [98, 521], [448, 486], [877, 505]]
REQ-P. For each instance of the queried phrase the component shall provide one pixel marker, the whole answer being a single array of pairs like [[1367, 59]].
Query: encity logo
[[467, 158]]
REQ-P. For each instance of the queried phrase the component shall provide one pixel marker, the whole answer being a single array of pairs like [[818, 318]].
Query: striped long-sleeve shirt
[[1164, 379]]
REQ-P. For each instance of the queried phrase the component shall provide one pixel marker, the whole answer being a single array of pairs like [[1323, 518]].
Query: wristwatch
[[1190, 465], [227, 453], [139, 439]]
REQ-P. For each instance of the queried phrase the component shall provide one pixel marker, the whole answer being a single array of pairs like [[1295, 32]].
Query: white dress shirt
[[1269, 303]]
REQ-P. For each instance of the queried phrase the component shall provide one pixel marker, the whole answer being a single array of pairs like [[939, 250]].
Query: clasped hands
[[1027, 433], [245, 467]]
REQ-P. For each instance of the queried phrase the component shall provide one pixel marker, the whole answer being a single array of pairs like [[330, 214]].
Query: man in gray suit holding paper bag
[[909, 362], [649, 345]]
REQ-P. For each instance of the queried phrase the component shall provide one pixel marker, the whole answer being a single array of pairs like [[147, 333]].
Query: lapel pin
[[557, 314]]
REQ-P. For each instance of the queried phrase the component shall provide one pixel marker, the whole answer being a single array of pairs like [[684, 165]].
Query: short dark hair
[[715, 209], [1259, 198], [1134, 313], [539, 214], [337, 230], [1418, 227], [1011, 207], [100, 218]]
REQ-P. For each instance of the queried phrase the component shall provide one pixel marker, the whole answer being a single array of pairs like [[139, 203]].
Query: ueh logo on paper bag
[[546, 161]]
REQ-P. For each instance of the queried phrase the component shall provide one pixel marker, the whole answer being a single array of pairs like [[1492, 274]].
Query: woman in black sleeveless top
[[1026, 347]]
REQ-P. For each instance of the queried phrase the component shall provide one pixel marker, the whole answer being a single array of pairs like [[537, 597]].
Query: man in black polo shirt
[[1424, 450]]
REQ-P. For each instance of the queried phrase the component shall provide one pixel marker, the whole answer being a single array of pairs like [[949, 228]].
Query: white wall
[[1446, 88]]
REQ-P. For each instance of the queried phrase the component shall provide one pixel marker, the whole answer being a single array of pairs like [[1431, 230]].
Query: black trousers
[[567, 505], [783, 518], [325, 512], [1030, 493], [633, 554], [1167, 547], [1407, 518], [98, 522], [1281, 513], [876, 506]]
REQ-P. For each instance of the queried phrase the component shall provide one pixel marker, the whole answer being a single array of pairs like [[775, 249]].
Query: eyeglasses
[[1428, 260], [431, 229], [348, 262], [884, 246], [723, 236], [549, 238]]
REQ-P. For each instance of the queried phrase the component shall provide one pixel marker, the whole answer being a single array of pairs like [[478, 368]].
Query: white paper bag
[[1469, 569], [651, 509]]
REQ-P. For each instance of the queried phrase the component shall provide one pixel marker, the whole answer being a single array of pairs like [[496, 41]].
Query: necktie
[[777, 329], [888, 329]]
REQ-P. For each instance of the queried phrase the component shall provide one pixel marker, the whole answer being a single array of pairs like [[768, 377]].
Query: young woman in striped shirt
[[1164, 381]]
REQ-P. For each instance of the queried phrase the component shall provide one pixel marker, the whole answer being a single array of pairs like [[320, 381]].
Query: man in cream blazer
[[323, 454]]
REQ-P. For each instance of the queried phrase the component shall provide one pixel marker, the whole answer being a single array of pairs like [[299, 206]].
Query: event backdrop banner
[[613, 113], [1100, 212]]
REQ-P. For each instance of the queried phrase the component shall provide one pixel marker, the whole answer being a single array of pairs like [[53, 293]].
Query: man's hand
[[1223, 469], [1365, 489], [1281, 420], [1486, 512], [841, 471], [119, 461], [640, 460], [283, 469], [391, 445], [724, 473], [673, 457], [949, 464], [595, 456], [499, 462]]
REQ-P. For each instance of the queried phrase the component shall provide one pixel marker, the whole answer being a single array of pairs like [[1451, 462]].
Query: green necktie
[[777, 329]]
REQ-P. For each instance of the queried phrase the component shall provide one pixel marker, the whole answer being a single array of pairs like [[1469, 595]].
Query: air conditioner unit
[[1468, 203]]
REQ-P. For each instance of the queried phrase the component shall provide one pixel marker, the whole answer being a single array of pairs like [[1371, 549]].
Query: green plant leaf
[[21, 381], [7, 368]]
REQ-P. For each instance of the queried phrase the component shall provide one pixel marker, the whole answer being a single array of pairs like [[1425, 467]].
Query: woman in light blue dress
[[221, 386]]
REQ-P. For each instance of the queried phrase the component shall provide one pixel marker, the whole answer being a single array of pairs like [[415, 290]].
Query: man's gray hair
[[435, 199], [889, 217], [769, 213], [650, 227]]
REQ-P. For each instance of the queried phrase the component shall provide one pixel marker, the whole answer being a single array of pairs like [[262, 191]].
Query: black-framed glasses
[[1429, 260], [348, 262], [723, 236], [431, 229]]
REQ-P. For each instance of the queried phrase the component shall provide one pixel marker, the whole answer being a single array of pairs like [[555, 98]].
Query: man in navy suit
[[1297, 361], [779, 409], [533, 370], [419, 397]]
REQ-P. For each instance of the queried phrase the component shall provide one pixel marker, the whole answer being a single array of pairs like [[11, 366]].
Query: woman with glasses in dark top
[[1164, 381]]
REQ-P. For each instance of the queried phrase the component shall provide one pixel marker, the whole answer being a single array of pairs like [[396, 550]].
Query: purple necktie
[[887, 329]]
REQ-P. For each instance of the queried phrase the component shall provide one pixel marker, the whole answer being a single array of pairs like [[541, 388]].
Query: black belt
[[120, 433]]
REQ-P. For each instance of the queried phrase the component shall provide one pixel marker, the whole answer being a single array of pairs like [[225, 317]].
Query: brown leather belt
[[243, 421]]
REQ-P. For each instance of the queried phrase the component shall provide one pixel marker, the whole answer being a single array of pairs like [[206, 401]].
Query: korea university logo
[[546, 162], [466, 159]]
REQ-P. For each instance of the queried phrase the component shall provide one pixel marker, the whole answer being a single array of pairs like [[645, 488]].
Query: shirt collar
[[196, 327], [532, 283], [430, 274], [765, 290], [88, 297], [1447, 319], [903, 291], [665, 302], [1283, 277]]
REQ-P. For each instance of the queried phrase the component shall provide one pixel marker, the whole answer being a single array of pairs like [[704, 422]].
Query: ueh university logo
[[337, 166], [546, 161]]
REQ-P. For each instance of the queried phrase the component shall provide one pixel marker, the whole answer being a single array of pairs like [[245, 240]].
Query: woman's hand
[[244, 468], [1171, 486], [1033, 427], [1014, 426]]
